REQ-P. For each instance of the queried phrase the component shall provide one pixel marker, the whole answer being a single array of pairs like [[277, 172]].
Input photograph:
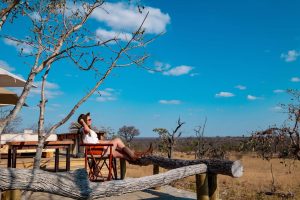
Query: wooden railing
[[206, 183], [75, 184]]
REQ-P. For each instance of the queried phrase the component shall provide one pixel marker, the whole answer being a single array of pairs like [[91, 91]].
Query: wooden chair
[[97, 157]]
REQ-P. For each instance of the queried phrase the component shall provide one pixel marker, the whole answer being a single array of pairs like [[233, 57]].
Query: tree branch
[[6, 11]]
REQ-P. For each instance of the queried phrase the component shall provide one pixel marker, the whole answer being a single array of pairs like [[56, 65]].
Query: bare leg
[[118, 145], [119, 150], [117, 142]]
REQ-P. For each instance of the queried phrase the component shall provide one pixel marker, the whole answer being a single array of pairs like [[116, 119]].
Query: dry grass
[[257, 178]]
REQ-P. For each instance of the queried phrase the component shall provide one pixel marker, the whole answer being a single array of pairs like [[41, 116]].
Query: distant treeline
[[188, 144]]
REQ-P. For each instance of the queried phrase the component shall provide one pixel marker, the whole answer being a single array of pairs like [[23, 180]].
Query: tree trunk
[[38, 154], [225, 167], [76, 184], [170, 152]]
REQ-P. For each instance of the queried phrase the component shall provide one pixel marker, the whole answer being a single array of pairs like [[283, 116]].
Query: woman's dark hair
[[84, 117]]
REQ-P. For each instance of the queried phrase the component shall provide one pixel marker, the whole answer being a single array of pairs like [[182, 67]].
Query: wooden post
[[80, 148], [12, 195], [156, 171], [202, 187], [75, 146], [213, 187], [68, 158], [122, 168], [56, 162]]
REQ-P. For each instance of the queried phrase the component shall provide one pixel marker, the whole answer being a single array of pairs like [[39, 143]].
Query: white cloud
[[158, 64], [104, 35], [291, 55], [24, 48], [107, 94], [48, 85], [5, 65], [278, 91], [277, 108], [174, 102], [110, 89], [167, 70], [295, 79], [51, 89], [225, 94], [160, 67], [105, 99], [125, 17], [252, 98], [241, 87], [48, 93], [178, 71]]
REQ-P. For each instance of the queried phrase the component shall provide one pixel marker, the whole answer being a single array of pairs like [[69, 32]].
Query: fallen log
[[224, 167], [75, 184]]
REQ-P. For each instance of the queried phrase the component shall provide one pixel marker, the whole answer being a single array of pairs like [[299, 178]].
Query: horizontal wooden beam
[[76, 184], [224, 167]]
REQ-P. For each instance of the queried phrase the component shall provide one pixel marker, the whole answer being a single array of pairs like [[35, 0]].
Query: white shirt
[[91, 137]]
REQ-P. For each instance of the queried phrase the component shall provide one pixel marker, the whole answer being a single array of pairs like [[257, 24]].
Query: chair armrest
[[96, 149], [95, 145]]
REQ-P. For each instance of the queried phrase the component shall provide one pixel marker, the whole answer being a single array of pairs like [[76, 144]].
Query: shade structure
[[8, 79], [8, 97]]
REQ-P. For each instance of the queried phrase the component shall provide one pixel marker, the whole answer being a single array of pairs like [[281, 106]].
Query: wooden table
[[57, 145]]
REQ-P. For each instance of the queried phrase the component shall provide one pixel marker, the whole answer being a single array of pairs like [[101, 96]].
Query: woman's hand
[[82, 122]]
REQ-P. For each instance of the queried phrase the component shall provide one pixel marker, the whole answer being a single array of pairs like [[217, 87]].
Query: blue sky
[[229, 61]]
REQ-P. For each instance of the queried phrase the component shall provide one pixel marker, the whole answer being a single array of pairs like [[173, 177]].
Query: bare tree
[[14, 125], [205, 149], [169, 139], [128, 133], [109, 132], [58, 33], [200, 147], [279, 141], [283, 141]]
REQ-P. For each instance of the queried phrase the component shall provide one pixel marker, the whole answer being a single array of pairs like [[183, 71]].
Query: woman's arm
[[86, 128]]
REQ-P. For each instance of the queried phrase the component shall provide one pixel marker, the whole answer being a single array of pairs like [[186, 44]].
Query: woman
[[119, 150]]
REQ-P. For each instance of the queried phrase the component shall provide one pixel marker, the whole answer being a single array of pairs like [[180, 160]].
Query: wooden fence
[[206, 183], [75, 184]]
